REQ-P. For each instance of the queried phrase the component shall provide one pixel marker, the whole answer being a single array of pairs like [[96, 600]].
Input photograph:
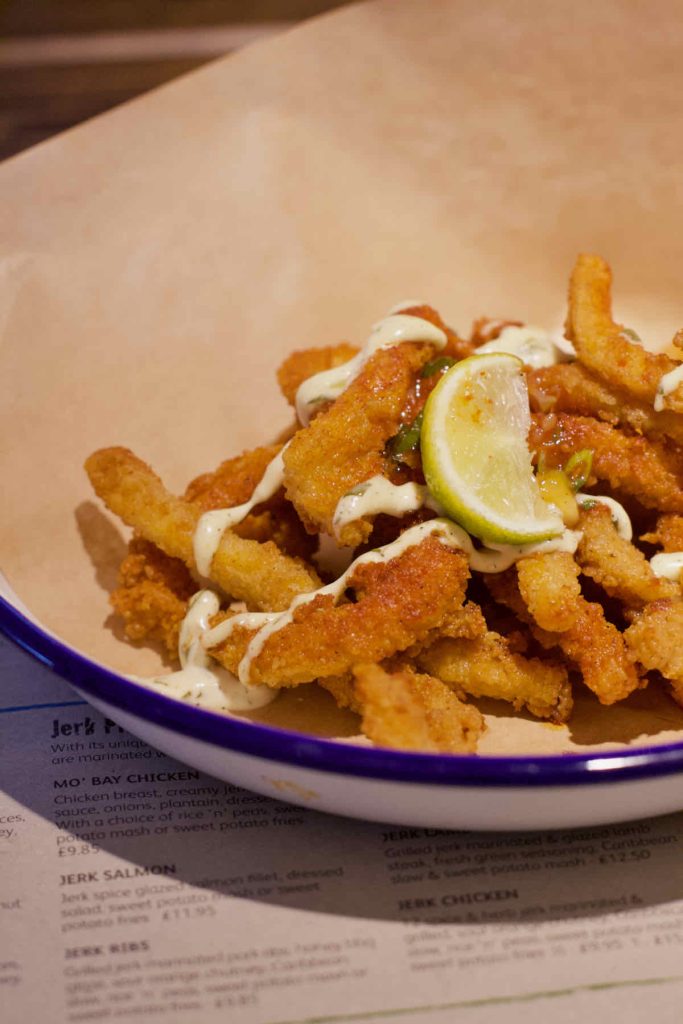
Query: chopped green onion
[[407, 440], [588, 503], [578, 468], [630, 333], [429, 369]]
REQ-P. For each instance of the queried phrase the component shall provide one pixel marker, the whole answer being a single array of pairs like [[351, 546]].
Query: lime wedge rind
[[475, 456]]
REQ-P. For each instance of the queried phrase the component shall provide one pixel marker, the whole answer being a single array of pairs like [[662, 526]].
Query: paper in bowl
[[159, 262]]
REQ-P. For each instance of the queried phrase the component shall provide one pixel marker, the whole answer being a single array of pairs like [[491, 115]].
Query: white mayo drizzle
[[492, 560], [330, 384], [212, 525], [668, 383], [667, 565], [379, 495], [204, 683], [620, 516], [200, 680], [535, 347]]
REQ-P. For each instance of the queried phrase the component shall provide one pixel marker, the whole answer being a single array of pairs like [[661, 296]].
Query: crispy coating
[[570, 387], [233, 483], [467, 622], [259, 574], [343, 689], [344, 444], [654, 640], [407, 640], [648, 470], [413, 711], [152, 594], [601, 344], [396, 604], [592, 644], [668, 533], [549, 585], [279, 523], [615, 564], [486, 667], [456, 347], [597, 648], [305, 363]]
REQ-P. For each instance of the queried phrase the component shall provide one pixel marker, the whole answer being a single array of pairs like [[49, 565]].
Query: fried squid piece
[[233, 483], [549, 585], [597, 648], [648, 470], [668, 533], [654, 639], [343, 689], [603, 345], [408, 710], [456, 347], [615, 564], [305, 363], [485, 667], [259, 574], [466, 622], [344, 444], [152, 594], [594, 645], [570, 387], [390, 606]]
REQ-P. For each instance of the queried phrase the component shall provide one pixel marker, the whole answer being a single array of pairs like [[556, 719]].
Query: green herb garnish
[[406, 440], [578, 468], [435, 365]]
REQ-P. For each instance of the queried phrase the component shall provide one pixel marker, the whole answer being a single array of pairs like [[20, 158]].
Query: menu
[[135, 888]]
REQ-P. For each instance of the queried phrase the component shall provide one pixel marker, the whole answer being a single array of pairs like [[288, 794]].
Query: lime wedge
[[475, 456]]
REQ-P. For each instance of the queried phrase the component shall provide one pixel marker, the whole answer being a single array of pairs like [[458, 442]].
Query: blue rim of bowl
[[289, 747]]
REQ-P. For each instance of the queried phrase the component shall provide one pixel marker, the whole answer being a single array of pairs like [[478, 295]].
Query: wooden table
[[63, 61]]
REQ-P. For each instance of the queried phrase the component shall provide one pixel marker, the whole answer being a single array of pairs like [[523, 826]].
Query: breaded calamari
[[394, 604], [615, 564], [259, 574], [654, 640], [570, 387], [485, 667], [234, 482], [648, 470], [549, 585], [305, 363], [456, 347], [344, 445], [668, 532], [592, 644], [413, 711], [152, 594], [603, 345]]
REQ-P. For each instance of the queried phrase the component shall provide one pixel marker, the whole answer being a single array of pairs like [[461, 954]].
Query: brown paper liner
[[159, 261]]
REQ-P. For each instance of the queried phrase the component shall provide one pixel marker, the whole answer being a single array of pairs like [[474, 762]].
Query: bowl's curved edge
[[289, 747]]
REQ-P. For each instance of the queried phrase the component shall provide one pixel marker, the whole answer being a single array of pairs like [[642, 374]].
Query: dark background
[[63, 61]]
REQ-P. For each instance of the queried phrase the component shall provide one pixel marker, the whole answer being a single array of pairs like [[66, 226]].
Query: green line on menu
[[466, 1004]]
